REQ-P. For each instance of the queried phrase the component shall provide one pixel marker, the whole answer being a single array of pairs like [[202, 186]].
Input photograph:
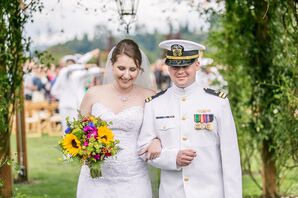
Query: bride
[[121, 100]]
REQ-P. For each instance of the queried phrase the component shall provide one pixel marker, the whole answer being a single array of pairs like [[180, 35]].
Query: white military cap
[[181, 52], [70, 57]]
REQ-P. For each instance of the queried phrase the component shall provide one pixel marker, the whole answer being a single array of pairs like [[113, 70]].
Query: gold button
[[164, 127], [186, 179], [184, 138], [183, 118], [183, 99]]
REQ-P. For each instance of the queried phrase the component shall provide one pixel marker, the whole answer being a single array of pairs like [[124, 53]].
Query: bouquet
[[89, 140]]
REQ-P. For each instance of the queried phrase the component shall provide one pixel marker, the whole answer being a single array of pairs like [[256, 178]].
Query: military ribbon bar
[[203, 121]]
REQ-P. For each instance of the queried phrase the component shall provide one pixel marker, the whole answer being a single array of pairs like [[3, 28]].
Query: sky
[[62, 20]]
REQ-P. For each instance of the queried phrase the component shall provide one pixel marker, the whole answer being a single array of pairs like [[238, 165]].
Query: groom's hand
[[184, 157]]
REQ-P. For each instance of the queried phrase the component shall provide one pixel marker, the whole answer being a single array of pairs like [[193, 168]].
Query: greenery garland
[[14, 14], [259, 47]]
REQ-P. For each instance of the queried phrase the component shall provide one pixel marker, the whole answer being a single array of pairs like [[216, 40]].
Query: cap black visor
[[179, 63]]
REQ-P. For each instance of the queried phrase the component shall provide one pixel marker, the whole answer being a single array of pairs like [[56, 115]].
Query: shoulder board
[[218, 93], [155, 96]]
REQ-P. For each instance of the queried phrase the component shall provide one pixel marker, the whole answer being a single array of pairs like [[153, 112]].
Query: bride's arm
[[86, 104], [154, 149]]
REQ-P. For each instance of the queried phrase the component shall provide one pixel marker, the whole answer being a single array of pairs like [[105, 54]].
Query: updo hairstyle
[[129, 48]]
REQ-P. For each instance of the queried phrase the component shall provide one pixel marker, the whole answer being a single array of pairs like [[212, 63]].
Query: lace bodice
[[127, 120]]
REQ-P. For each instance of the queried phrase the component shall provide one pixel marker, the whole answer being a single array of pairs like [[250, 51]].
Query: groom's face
[[184, 76]]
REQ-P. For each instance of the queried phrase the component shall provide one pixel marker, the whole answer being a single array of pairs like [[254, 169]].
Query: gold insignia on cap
[[177, 50]]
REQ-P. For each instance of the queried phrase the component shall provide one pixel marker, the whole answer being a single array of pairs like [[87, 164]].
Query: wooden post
[[270, 188], [21, 139], [6, 174]]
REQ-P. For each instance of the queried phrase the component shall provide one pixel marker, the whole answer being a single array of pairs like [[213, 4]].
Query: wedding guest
[[64, 89]]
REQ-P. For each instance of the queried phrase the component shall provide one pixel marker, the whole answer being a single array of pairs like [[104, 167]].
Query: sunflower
[[105, 134], [71, 144]]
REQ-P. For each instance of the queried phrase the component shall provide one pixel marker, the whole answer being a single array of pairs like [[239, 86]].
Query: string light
[[104, 6]]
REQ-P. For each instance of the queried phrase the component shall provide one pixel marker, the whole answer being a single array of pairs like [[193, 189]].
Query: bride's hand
[[154, 149]]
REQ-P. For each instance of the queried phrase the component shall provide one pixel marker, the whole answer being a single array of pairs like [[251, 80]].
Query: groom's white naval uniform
[[199, 119]]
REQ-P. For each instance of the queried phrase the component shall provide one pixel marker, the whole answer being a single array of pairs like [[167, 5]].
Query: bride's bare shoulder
[[146, 92], [96, 91]]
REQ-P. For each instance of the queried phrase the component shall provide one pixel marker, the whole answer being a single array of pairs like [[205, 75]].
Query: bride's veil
[[145, 79]]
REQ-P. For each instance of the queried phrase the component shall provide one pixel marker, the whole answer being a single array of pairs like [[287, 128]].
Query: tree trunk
[[269, 171], [5, 173]]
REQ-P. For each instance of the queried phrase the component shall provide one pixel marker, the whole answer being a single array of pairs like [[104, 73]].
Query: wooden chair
[[54, 120], [55, 125], [32, 119], [41, 118]]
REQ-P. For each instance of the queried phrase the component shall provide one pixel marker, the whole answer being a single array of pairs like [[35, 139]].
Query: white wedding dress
[[126, 175]]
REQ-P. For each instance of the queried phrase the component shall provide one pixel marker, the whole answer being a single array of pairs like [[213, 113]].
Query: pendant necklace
[[123, 98]]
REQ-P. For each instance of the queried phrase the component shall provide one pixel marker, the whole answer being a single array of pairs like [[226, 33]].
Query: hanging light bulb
[[127, 10]]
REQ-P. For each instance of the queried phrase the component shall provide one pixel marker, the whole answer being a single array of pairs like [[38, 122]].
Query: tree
[[259, 45], [13, 16]]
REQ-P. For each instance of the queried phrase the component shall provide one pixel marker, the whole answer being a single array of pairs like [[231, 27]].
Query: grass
[[49, 177]]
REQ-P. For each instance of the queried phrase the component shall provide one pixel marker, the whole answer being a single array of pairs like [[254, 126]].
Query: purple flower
[[97, 156], [89, 129], [92, 134], [67, 130], [86, 143]]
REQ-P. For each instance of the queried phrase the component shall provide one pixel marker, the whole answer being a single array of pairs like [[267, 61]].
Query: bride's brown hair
[[129, 48]]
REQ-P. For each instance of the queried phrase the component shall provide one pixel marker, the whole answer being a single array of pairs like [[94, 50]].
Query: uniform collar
[[187, 90]]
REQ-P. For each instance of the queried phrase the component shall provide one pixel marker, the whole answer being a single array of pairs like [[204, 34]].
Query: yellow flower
[[92, 118], [71, 144], [105, 134]]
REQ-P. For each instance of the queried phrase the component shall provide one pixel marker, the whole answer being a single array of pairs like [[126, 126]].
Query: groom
[[200, 156]]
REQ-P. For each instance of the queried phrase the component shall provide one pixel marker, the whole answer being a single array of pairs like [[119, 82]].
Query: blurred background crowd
[[59, 88]]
